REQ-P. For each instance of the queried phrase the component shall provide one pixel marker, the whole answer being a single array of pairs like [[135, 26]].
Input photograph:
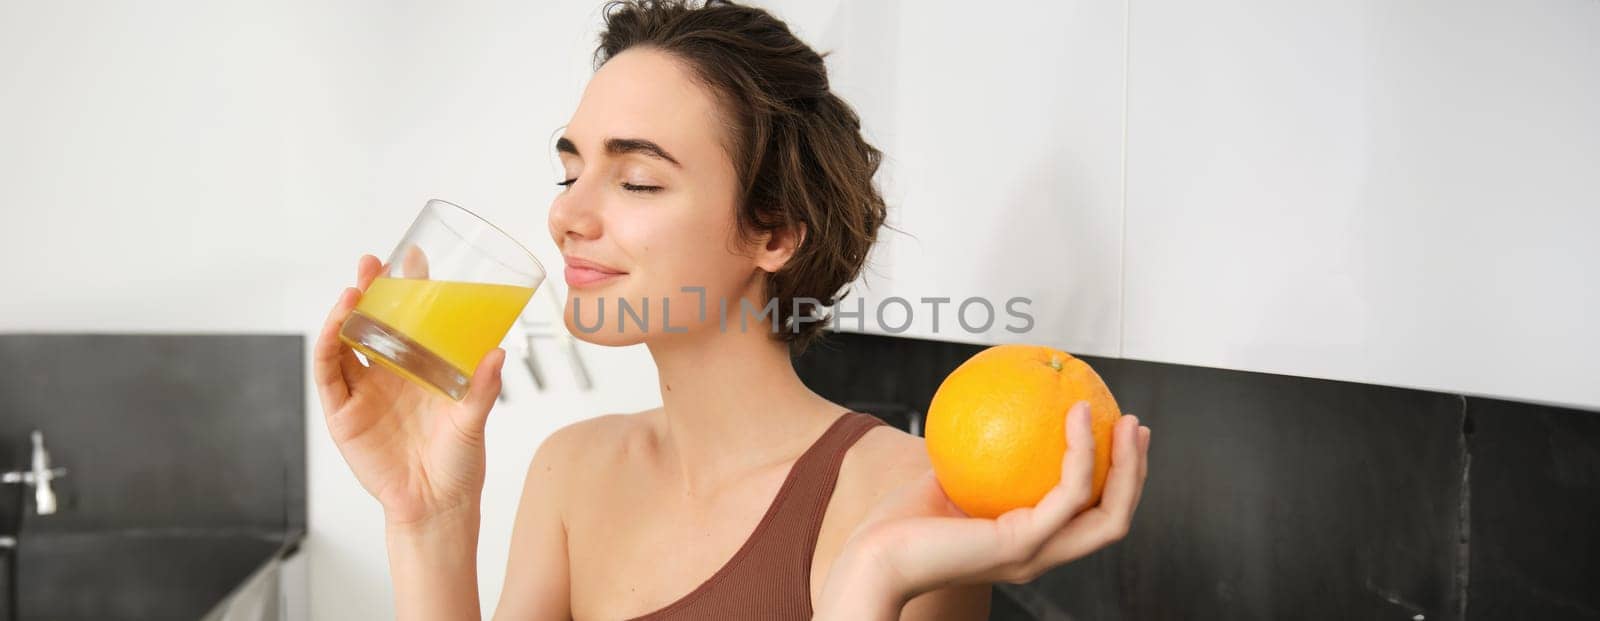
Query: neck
[[731, 402]]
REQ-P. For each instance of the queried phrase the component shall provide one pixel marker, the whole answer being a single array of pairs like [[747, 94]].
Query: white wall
[[200, 167], [180, 166]]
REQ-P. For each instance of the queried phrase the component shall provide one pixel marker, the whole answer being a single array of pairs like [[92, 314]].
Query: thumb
[[482, 390]]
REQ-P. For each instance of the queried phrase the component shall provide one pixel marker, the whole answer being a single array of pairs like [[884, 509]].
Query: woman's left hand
[[915, 540]]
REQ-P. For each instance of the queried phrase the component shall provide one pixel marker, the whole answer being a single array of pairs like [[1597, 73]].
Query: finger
[[368, 268], [414, 264], [1029, 528], [326, 354], [1109, 521], [1123, 481], [351, 369], [1078, 464], [1077, 469], [1144, 463], [481, 393]]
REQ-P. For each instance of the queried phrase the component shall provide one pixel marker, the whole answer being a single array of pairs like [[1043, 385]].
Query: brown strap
[[770, 576]]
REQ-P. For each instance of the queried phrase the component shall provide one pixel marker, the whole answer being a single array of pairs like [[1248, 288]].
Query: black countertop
[[175, 574]]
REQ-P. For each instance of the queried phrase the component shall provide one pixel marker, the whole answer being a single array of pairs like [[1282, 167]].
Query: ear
[[777, 246]]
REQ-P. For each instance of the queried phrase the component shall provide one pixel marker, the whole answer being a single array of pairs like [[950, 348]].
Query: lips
[[581, 273]]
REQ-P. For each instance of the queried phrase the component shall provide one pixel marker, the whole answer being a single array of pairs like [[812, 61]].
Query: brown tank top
[[770, 576]]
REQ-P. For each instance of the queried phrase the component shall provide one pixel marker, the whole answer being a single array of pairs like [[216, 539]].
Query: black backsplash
[[186, 467], [160, 431], [1273, 496]]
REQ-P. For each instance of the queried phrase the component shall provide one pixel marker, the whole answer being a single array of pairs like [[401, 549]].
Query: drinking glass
[[448, 294]]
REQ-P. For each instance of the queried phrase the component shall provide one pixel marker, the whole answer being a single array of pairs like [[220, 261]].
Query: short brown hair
[[796, 147]]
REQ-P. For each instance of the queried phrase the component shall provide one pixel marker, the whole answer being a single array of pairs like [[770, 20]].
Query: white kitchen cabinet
[[1394, 193], [1002, 134]]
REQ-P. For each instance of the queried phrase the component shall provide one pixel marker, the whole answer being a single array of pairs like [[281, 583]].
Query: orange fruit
[[996, 430]]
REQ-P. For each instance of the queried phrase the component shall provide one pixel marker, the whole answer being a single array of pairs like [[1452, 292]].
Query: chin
[[607, 333]]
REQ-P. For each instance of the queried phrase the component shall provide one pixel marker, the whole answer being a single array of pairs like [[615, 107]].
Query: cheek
[[680, 247]]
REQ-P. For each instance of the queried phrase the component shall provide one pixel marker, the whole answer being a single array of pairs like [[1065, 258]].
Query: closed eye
[[646, 189]]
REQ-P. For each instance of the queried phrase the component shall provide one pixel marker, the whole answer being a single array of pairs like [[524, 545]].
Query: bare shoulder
[[882, 460], [583, 449], [538, 572], [583, 433]]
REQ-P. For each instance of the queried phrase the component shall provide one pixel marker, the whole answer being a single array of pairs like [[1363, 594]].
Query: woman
[[707, 167]]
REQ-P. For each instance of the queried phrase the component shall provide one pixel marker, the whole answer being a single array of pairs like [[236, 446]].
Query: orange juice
[[455, 322]]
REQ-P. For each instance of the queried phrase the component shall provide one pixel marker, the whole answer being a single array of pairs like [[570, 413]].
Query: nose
[[574, 214]]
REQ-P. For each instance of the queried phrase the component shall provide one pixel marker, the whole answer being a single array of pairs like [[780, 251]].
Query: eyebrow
[[623, 146]]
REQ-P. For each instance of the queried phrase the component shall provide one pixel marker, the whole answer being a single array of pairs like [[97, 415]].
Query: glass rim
[[543, 273]]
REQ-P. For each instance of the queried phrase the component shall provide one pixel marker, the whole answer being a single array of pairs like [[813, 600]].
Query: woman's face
[[649, 206]]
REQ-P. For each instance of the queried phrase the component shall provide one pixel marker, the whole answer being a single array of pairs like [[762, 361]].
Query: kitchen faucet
[[39, 476]]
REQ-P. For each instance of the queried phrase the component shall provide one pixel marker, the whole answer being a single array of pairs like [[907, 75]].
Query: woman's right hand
[[420, 454]]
